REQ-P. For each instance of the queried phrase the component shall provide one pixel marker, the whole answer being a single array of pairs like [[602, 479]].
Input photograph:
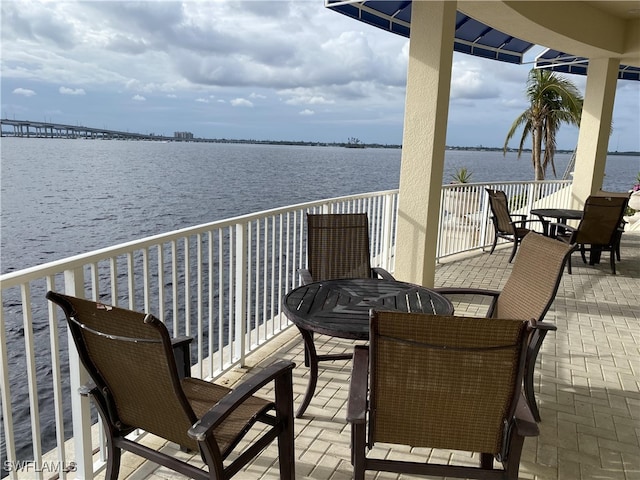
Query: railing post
[[80, 407], [387, 233], [240, 292]]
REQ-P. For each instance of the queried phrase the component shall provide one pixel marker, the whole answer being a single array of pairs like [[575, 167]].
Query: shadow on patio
[[587, 382]]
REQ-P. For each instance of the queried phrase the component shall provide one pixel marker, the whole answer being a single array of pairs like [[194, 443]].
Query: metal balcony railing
[[227, 278]]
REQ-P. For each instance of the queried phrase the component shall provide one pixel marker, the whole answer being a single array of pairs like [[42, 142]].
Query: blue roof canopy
[[472, 37], [561, 62]]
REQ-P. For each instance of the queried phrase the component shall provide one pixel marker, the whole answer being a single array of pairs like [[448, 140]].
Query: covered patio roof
[[561, 62], [474, 37]]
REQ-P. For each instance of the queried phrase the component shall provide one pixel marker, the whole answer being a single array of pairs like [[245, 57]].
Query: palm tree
[[554, 100]]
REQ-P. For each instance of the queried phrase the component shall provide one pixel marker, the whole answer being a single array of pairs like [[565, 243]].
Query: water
[[64, 197]]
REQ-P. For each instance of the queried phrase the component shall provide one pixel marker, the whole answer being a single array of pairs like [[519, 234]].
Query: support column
[[424, 139], [595, 129]]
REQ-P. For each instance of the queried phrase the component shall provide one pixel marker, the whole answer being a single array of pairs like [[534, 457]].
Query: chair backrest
[[534, 279], [129, 357], [601, 219], [444, 381], [500, 210], [338, 246]]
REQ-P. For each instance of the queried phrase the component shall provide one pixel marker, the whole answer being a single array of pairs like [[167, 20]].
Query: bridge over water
[[33, 129]]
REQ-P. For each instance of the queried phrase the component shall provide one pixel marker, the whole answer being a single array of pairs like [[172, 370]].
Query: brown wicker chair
[[441, 382], [601, 229], [137, 386], [504, 225], [338, 247], [528, 293]]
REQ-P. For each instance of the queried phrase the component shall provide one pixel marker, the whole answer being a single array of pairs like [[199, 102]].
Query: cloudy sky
[[266, 70]]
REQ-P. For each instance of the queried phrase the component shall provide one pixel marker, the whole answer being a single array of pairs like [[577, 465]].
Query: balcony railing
[[227, 277]]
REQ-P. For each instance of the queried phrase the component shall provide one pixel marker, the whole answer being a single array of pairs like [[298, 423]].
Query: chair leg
[[358, 450], [513, 252], [569, 265], [613, 261], [512, 465], [495, 242], [486, 461], [284, 406], [114, 454]]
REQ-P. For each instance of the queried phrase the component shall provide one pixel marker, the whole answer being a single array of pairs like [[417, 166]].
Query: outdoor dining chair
[[528, 293], [136, 385], [440, 382], [600, 229], [338, 247], [506, 225]]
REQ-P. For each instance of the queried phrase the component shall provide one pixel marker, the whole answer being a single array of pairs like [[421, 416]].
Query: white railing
[[465, 215], [227, 277]]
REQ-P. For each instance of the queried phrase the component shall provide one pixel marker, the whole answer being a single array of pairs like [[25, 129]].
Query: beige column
[[423, 144], [595, 129]]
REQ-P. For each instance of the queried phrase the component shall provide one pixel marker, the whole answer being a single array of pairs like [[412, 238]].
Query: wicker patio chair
[[504, 225], [601, 229], [136, 385], [338, 247], [442, 382], [527, 294]]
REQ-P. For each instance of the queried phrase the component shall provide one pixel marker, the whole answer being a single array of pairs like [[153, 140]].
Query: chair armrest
[[472, 291], [305, 276], [523, 222], [465, 291], [278, 371], [382, 273], [545, 326], [359, 386]]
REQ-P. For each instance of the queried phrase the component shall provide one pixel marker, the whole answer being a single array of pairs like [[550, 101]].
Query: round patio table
[[340, 308]]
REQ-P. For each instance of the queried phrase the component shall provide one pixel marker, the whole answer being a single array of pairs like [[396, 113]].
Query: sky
[[262, 70]]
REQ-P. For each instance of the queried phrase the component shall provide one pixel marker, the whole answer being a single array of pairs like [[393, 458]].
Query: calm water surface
[[64, 197]]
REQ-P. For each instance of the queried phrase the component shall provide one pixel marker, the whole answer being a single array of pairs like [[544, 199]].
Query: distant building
[[183, 135]]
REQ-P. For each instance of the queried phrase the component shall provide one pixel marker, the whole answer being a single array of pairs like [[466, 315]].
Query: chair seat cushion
[[521, 232], [203, 395]]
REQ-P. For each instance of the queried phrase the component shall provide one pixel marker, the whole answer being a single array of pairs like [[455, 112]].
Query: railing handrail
[[11, 279]]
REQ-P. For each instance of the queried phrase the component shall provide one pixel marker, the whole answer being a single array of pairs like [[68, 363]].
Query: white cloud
[[306, 112], [138, 98], [71, 91], [202, 100], [172, 95], [257, 95], [25, 92], [241, 102]]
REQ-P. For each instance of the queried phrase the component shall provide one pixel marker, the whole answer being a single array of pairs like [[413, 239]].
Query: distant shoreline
[[480, 148]]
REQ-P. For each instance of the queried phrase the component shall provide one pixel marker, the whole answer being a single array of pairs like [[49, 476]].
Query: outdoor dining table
[[560, 214], [340, 308]]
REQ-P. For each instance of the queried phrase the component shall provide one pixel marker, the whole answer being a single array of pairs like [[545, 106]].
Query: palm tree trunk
[[536, 153]]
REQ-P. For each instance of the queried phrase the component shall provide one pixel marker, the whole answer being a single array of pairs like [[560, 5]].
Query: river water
[[63, 197]]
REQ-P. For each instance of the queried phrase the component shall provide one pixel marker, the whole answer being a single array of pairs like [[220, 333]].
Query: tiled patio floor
[[587, 379]]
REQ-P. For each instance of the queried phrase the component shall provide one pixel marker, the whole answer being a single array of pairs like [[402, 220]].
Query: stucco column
[[424, 138], [595, 128]]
